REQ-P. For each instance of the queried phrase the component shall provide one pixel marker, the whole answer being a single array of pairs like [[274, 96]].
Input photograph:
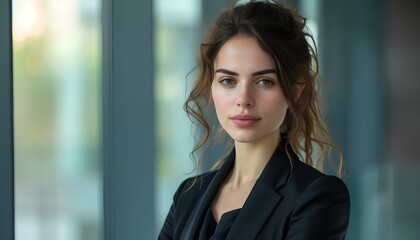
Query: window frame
[[7, 218], [128, 149]]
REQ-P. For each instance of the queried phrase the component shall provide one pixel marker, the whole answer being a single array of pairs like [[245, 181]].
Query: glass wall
[[177, 35], [403, 115], [351, 72], [57, 102]]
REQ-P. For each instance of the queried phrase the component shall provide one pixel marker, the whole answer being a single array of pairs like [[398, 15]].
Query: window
[[177, 36], [57, 119]]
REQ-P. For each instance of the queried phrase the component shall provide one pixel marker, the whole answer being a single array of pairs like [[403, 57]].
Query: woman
[[258, 72]]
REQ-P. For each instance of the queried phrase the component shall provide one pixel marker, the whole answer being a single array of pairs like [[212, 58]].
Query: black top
[[214, 231]]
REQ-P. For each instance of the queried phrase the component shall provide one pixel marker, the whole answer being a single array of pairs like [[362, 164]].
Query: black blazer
[[286, 202]]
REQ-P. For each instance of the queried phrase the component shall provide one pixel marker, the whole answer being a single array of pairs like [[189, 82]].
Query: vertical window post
[[128, 130], [7, 219]]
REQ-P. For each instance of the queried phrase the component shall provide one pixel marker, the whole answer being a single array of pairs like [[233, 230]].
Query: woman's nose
[[245, 97]]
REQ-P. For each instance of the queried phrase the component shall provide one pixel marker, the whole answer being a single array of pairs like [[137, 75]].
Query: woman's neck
[[251, 159]]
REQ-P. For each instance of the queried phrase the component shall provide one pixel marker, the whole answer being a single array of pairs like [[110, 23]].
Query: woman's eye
[[265, 82], [227, 81]]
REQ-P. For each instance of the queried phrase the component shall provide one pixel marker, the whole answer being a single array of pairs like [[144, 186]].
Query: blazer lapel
[[264, 196], [257, 208], [194, 222]]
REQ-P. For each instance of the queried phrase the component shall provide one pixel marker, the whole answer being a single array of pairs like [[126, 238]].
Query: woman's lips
[[245, 120]]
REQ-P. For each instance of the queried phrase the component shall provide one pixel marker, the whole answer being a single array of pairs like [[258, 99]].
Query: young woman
[[259, 73]]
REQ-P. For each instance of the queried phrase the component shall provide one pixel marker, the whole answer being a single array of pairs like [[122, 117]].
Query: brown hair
[[282, 33]]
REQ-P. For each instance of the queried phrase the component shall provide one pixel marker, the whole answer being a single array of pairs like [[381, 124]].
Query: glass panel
[[371, 183], [177, 36], [57, 112]]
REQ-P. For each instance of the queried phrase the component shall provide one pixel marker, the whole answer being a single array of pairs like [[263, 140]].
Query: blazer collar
[[264, 196], [260, 202]]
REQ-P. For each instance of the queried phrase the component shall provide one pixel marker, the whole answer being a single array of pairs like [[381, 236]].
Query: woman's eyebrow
[[261, 72], [265, 71], [225, 71]]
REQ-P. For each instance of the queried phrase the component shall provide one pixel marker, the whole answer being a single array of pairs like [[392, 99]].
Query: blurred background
[[370, 67]]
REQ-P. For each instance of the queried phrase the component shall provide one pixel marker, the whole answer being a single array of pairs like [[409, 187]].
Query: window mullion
[[7, 219]]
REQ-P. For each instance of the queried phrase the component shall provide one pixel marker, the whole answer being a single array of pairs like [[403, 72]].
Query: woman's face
[[249, 102]]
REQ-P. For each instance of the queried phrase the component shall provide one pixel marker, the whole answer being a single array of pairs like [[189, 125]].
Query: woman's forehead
[[243, 53]]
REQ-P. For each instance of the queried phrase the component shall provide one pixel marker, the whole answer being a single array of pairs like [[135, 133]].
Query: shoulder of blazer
[[321, 205], [305, 176], [305, 173], [192, 188], [184, 201]]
